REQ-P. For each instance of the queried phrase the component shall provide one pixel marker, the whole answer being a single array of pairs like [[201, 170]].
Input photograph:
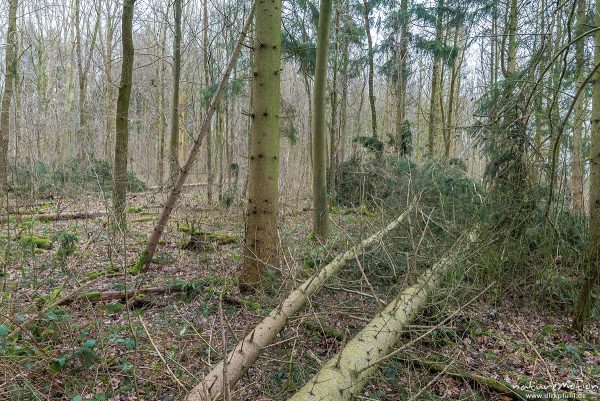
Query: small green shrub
[[67, 243]]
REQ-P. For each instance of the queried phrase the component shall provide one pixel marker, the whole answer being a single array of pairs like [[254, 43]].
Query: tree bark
[[454, 91], [206, 51], [122, 118], [577, 165], [592, 278], [403, 143], [146, 257], [334, 128], [320, 206], [250, 347], [435, 112], [174, 134], [160, 112], [370, 57], [261, 243], [83, 68], [9, 76], [346, 373]]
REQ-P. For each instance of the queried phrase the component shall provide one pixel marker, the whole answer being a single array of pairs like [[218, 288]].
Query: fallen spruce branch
[[475, 379], [248, 350], [344, 375]]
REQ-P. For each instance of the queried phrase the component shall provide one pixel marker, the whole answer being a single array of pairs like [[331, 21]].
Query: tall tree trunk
[[370, 57], [538, 112], [577, 166], [82, 72], [343, 124], [122, 118], [160, 112], [435, 112], [584, 303], [334, 129], [209, 168], [403, 138], [174, 134], [454, 91], [10, 73], [321, 212], [261, 240], [109, 91]]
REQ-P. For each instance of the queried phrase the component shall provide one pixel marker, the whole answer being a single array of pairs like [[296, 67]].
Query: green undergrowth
[[532, 254], [69, 177]]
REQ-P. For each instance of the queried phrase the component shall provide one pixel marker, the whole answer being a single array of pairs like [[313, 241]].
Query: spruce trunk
[[262, 212]]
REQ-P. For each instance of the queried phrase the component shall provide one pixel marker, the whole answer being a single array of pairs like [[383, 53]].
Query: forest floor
[[157, 347]]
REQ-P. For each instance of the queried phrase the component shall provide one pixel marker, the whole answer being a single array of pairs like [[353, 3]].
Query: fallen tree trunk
[[56, 217], [103, 296], [145, 258], [247, 351], [344, 375], [193, 185]]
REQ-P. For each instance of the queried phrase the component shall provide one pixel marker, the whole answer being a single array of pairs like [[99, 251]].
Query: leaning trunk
[[147, 255]]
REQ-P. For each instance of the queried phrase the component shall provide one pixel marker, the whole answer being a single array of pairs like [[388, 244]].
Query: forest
[[299, 200]]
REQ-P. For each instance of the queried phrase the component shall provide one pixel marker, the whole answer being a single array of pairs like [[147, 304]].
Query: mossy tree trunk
[[435, 103], [370, 57], [403, 139], [174, 134], [344, 80], [122, 118], [584, 303], [9, 75], [334, 127], [321, 213], [261, 243], [454, 91]]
